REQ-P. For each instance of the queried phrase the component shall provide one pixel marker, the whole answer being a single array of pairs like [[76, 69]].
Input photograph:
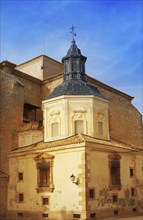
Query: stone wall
[[41, 67]]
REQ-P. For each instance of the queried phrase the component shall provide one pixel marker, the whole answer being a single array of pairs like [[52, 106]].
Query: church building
[[71, 146]]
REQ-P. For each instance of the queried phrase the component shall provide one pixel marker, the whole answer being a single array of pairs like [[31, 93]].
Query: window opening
[[74, 65], [45, 201], [45, 215], [19, 214], [115, 172], [79, 128], [44, 163], [76, 215], [134, 209], [44, 176], [115, 198], [29, 112], [20, 176], [116, 212], [131, 172], [93, 215], [20, 197], [100, 128], [55, 129], [91, 193], [132, 191]]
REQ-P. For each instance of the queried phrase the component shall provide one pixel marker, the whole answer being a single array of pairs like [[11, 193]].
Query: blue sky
[[109, 33]]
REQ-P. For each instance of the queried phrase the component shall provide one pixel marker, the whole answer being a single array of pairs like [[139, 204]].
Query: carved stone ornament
[[79, 110], [56, 112], [78, 115], [100, 116]]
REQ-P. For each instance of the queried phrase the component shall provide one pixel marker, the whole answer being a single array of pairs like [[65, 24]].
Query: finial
[[73, 31]]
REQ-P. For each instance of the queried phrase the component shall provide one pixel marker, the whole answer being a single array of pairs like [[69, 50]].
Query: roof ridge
[[82, 137]]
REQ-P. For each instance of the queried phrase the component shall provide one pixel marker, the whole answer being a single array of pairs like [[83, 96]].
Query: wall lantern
[[74, 179]]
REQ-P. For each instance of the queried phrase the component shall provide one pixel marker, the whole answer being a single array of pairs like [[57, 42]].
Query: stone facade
[[41, 67], [80, 165]]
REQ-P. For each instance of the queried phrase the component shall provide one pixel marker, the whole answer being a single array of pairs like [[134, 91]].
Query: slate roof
[[73, 51], [76, 83], [75, 87]]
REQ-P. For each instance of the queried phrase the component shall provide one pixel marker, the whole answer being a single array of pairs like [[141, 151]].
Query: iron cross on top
[[73, 31]]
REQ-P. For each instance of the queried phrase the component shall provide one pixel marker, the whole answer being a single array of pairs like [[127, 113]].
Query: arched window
[[79, 127]]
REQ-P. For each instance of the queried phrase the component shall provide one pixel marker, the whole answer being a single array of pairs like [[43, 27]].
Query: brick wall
[[125, 122], [14, 92]]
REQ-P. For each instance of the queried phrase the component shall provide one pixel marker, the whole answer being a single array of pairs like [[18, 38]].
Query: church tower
[[75, 106]]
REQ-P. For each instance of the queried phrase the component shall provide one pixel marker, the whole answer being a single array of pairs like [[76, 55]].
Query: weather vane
[[73, 31]]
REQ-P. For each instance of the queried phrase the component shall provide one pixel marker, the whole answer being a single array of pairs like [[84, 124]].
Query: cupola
[[75, 106], [74, 80], [74, 63]]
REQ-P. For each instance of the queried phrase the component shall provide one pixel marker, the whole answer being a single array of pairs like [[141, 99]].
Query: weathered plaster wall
[[99, 178], [67, 196]]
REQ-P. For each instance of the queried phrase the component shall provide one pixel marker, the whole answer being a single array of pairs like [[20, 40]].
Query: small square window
[[131, 172], [134, 209], [45, 201], [115, 198], [132, 191], [19, 214], [93, 215], [20, 176], [20, 197], [91, 193], [45, 215], [116, 212], [76, 215]]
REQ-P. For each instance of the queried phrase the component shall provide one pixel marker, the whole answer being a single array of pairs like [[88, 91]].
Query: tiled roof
[[72, 140]]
